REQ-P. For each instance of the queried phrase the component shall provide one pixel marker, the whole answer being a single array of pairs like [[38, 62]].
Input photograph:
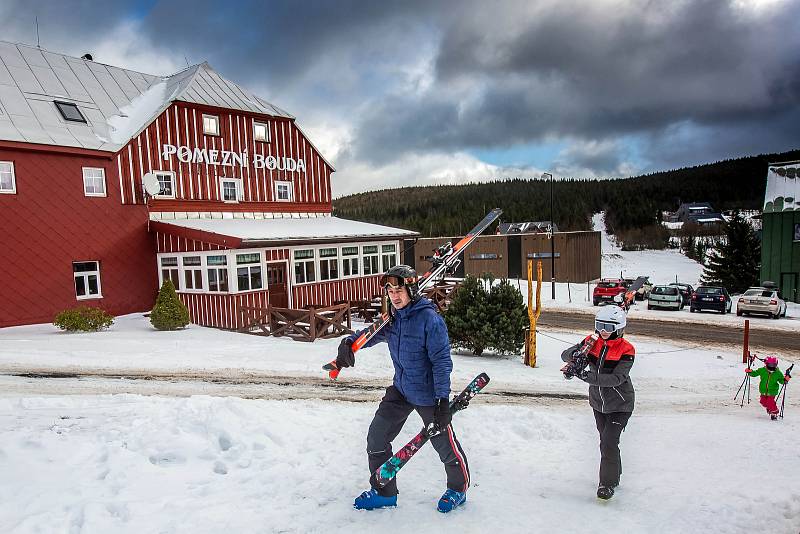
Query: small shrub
[[169, 313], [84, 319]]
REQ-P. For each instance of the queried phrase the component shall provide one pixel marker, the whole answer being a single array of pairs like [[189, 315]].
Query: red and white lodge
[[242, 215]]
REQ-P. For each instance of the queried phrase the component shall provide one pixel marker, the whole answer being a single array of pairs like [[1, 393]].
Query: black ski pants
[[392, 413], [610, 426]]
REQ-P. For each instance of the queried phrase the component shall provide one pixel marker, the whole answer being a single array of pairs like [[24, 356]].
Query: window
[[260, 132], [166, 184], [192, 273], [388, 256], [248, 271], [328, 263], [70, 111], [230, 189], [370, 259], [349, 261], [303, 266], [94, 182], [87, 279], [284, 191], [210, 124], [169, 271], [8, 183], [217, 273]]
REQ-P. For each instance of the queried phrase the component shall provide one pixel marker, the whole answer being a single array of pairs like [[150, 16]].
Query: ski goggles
[[401, 282], [606, 326]]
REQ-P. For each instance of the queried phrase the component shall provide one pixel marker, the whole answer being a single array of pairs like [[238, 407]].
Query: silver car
[[665, 297], [761, 300]]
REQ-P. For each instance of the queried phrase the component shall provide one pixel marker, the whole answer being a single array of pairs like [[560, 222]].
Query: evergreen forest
[[632, 205]]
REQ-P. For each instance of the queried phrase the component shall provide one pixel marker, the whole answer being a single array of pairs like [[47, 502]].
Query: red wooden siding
[[221, 311], [327, 293], [50, 223], [197, 184]]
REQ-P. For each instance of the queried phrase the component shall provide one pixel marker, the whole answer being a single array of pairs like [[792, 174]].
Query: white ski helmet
[[611, 319]]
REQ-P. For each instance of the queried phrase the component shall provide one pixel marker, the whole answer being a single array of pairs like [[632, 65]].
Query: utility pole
[[552, 242]]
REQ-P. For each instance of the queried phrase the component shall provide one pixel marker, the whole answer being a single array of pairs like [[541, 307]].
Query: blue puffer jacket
[[420, 349]]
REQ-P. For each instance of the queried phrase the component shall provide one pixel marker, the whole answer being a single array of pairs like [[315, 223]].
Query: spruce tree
[[467, 317], [169, 313], [509, 318], [734, 263]]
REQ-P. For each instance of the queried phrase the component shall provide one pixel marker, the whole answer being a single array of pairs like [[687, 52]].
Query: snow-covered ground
[[663, 267], [694, 460]]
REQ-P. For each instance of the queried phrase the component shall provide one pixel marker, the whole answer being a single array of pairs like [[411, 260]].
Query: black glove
[[345, 358], [441, 414]]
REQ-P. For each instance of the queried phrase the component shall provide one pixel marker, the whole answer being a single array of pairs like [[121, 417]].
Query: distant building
[[696, 212], [533, 227], [780, 241]]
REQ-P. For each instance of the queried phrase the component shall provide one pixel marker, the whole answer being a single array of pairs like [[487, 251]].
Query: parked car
[[761, 300], [606, 289], [686, 291], [643, 292], [711, 298], [665, 297]]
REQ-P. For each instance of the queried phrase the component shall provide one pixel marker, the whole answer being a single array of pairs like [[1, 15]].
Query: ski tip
[[484, 377]]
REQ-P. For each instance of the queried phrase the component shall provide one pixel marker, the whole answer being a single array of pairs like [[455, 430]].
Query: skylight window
[[70, 112]]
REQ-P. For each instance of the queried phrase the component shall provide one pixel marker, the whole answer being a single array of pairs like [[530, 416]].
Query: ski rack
[[445, 259]]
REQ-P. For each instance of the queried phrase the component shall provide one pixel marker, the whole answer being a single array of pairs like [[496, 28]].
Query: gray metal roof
[[32, 78]]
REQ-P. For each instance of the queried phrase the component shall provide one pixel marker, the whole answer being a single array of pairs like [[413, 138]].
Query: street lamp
[[552, 241]]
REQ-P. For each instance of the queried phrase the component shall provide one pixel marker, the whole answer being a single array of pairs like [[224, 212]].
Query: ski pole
[[746, 382], [785, 385]]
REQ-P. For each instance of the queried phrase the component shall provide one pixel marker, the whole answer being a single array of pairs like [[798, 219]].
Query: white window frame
[[92, 178], [391, 256], [218, 270], [376, 255], [170, 268], [171, 176], [328, 261], [350, 260], [248, 267], [85, 275], [237, 184], [191, 269], [256, 136], [290, 191], [13, 190], [207, 118], [312, 260]]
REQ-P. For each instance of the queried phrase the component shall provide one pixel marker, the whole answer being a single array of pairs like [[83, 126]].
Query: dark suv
[[686, 291], [710, 298]]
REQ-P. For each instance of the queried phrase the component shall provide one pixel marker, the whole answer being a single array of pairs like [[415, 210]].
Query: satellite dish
[[151, 185]]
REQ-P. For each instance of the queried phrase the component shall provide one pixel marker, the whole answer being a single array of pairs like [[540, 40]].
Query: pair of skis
[[444, 260], [389, 469], [576, 366]]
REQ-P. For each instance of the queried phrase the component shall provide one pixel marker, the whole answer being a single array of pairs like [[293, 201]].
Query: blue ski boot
[[450, 500], [370, 500]]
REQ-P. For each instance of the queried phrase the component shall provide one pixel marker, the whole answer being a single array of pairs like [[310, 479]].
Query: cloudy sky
[[426, 92]]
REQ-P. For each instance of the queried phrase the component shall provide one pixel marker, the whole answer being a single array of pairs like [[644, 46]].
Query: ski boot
[[773, 416], [370, 500], [451, 499], [605, 492]]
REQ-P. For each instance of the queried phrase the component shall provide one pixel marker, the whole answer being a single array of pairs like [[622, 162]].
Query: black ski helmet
[[405, 276]]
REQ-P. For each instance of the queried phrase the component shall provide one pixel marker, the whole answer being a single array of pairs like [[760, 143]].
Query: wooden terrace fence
[[300, 325]]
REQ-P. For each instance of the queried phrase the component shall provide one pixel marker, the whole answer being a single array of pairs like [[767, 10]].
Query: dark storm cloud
[[594, 73], [495, 74]]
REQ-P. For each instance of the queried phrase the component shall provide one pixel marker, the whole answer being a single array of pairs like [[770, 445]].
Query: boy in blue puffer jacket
[[420, 350]]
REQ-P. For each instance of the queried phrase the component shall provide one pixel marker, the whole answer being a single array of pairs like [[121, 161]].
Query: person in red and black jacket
[[611, 393]]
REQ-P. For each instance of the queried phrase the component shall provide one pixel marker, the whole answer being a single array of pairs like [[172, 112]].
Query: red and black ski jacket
[[610, 386]]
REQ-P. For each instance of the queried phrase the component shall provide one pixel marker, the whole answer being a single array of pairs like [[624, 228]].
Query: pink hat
[[771, 361]]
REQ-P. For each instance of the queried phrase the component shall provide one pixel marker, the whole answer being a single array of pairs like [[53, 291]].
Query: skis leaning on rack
[[445, 260]]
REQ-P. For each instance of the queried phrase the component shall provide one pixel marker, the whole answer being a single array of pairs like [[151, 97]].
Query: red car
[[607, 289]]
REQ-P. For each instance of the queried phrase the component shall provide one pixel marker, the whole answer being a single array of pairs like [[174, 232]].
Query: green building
[[780, 246]]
